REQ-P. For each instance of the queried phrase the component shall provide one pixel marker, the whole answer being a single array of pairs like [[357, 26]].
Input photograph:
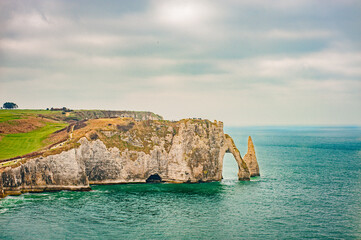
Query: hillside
[[26, 131]]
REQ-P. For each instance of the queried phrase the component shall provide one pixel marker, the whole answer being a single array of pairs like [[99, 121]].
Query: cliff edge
[[121, 150]]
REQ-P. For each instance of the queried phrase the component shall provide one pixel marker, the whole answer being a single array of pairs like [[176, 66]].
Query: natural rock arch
[[230, 147], [247, 166]]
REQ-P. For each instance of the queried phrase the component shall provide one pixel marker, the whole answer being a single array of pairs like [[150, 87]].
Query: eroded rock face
[[185, 151], [243, 171], [251, 160], [58, 172], [192, 155], [138, 115]]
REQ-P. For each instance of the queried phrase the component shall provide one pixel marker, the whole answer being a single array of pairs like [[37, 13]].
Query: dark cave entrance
[[155, 178]]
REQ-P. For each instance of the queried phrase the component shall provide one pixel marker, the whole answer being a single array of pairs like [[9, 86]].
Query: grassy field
[[12, 145], [17, 144], [8, 115]]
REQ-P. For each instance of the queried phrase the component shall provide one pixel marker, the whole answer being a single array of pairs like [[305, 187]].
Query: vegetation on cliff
[[26, 131], [123, 133]]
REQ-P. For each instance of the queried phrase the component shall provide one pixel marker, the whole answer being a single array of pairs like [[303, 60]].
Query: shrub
[[10, 105], [126, 128]]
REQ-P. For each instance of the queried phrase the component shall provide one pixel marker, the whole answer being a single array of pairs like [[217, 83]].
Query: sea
[[309, 188]]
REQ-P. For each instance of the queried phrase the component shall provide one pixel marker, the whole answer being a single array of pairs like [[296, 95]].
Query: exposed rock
[[57, 172], [137, 115], [243, 169], [151, 151], [109, 133], [251, 160], [193, 156]]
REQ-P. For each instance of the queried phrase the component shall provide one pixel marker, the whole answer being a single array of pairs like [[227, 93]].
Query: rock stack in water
[[251, 160]]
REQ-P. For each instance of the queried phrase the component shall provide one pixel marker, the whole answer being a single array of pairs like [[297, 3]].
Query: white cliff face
[[56, 172], [193, 156], [185, 151]]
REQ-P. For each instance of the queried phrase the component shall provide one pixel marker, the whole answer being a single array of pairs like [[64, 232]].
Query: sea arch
[[230, 147]]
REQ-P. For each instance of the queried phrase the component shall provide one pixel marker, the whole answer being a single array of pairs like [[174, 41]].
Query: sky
[[243, 62]]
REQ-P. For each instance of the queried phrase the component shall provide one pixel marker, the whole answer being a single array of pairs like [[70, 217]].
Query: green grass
[[8, 115], [12, 145]]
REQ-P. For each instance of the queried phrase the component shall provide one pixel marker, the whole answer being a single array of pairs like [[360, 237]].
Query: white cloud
[[298, 35], [292, 5], [125, 62], [193, 19], [183, 13], [327, 62]]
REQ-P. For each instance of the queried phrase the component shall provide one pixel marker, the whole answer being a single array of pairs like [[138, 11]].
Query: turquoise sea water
[[310, 188]]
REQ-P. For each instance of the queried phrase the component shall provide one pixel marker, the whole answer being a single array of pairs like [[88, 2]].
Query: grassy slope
[[77, 115], [12, 145], [8, 115]]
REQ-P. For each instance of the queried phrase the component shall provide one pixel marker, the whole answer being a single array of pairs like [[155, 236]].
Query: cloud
[[186, 17], [305, 34], [293, 5], [275, 63], [329, 63]]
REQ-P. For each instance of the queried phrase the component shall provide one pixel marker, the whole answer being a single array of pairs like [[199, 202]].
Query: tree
[[10, 105]]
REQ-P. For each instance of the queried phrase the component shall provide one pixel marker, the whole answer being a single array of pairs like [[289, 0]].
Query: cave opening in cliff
[[230, 167], [155, 178]]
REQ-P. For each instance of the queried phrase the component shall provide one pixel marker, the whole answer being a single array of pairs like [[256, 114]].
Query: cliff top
[[123, 133], [26, 131]]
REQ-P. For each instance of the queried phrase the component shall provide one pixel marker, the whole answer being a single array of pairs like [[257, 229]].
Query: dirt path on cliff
[[67, 140]]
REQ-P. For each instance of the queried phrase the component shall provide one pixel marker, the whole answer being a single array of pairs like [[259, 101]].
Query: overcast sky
[[244, 62]]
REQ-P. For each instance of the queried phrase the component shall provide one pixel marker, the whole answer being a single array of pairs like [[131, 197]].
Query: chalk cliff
[[63, 171], [93, 114], [112, 151], [251, 160]]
